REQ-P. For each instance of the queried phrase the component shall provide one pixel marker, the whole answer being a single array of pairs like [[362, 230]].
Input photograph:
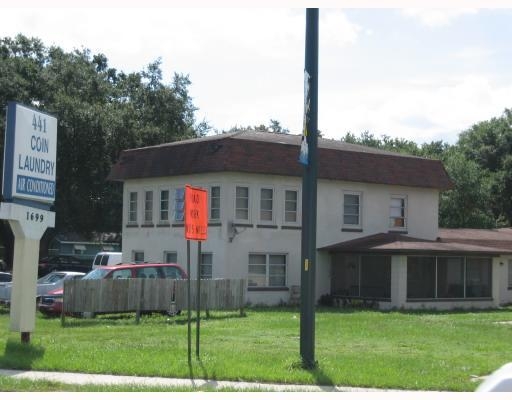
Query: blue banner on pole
[[304, 156]]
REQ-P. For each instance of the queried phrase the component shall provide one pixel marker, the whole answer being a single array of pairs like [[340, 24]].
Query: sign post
[[196, 228], [28, 188]]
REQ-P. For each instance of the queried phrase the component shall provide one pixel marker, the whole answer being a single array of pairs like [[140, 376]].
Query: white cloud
[[421, 110], [437, 17], [337, 29]]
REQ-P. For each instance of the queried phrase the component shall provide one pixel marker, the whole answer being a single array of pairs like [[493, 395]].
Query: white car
[[54, 280]]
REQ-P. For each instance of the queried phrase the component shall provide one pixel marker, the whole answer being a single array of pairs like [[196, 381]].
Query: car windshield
[[51, 278], [96, 274]]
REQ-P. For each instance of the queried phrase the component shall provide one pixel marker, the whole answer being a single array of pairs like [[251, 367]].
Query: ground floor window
[[448, 277], [365, 276], [267, 270], [206, 265]]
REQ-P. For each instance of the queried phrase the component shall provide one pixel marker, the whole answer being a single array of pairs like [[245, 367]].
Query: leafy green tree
[[489, 145], [101, 111], [469, 204]]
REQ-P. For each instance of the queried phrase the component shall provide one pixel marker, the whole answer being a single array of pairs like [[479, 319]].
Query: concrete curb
[[97, 379]]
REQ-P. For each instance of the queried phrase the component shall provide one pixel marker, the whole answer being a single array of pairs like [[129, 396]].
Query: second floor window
[[215, 202], [164, 205], [132, 208], [351, 209], [148, 206], [242, 203], [398, 212], [290, 206], [266, 205], [179, 204]]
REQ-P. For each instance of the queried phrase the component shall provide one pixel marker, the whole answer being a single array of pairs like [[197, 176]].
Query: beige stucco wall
[[230, 258]]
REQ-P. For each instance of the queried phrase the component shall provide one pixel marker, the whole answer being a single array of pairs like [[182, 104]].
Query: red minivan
[[51, 304]]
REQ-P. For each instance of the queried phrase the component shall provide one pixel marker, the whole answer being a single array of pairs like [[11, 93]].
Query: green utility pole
[[308, 157]]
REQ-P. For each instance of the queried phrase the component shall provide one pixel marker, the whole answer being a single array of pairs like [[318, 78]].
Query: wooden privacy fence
[[143, 294]]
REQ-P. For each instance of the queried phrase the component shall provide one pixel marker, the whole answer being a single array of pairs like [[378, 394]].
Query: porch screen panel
[[345, 275], [450, 277], [421, 277], [376, 276], [478, 277]]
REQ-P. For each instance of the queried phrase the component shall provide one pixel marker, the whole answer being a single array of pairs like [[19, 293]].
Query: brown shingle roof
[[501, 237], [277, 154], [401, 244]]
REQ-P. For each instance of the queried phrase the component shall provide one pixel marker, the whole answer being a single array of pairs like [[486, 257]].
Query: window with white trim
[[138, 256], [170, 257], [267, 270], [164, 205], [291, 205], [215, 203], [242, 203], [266, 204], [206, 265], [132, 208], [398, 212], [352, 209], [179, 204], [148, 206]]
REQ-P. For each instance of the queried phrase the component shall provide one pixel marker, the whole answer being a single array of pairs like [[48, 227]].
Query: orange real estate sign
[[196, 213]]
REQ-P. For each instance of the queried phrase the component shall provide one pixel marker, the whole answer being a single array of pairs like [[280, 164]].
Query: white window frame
[[267, 269], [392, 226], [360, 209], [133, 213], [161, 210], [135, 254], [169, 252], [174, 208], [271, 210], [298, 211], [210, 265], [148, 206], [248, 219], [210, 205]]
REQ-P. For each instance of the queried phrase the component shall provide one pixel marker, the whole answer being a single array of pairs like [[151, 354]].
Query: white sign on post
[[28, 188], [30, 155]]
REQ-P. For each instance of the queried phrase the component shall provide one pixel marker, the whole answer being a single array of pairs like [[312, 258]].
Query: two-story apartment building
[[377, 216]]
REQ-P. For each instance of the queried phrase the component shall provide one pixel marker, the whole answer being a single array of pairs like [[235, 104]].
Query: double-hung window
[[266, 205], [148, 206], [267, 270], [179, 204], [206, 265], [164, 206], [132, 208], [398, 212], [138, 256], [170, 257], [352, 209], [215, 203], [242, 203], [291, 201]]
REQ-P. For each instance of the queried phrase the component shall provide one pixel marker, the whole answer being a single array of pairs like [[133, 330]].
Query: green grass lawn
[[417, 350]]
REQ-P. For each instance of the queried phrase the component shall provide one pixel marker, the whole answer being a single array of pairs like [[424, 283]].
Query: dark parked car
[[5, 277], [61, 263]]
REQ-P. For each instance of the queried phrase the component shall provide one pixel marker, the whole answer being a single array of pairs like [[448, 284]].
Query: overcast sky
[[418, 74]]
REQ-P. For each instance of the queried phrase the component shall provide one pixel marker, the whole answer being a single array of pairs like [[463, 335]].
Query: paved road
[[80, 379]]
